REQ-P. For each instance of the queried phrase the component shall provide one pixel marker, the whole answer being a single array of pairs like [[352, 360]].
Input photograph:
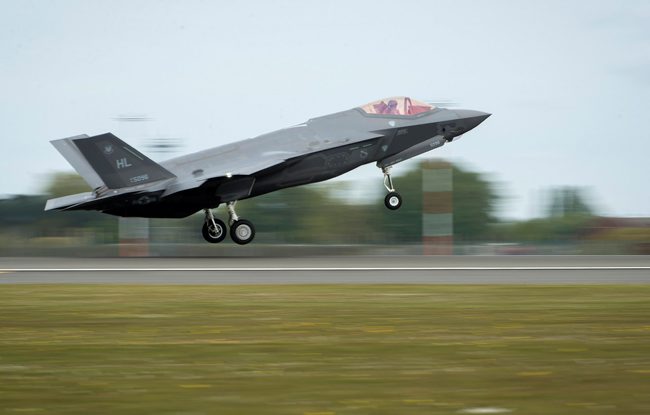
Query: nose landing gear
[[393, 200]]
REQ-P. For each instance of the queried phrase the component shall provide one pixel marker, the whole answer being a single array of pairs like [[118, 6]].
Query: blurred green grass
[[331, 349]]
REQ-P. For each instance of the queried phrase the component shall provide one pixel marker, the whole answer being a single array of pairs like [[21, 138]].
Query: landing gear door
[[235, 188], [385, 144]]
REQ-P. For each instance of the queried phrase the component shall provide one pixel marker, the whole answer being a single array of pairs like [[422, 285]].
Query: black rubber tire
[[393, 201], [210, 235], [242, 232]]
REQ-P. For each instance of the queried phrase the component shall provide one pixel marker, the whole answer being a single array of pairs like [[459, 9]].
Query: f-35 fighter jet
[[127, 183]]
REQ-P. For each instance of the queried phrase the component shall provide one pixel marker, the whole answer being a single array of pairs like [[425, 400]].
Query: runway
[[330, 270]]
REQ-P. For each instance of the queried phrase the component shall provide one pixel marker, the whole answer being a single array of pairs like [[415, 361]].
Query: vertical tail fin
[[106, 161]]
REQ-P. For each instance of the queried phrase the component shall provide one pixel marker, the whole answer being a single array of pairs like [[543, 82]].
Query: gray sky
[[568, 82]]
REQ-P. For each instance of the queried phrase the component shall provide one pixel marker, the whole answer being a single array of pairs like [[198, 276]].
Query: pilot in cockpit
[[391, 108]]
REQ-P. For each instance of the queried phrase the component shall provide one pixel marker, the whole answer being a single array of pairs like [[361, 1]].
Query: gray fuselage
[[320, 149]]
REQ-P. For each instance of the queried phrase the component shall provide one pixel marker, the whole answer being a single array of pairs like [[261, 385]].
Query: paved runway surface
[[327, 270]]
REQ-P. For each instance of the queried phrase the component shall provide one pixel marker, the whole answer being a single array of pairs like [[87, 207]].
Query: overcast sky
[[568, 82]]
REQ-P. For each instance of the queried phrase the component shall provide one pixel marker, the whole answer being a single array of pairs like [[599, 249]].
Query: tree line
[[317, 214]]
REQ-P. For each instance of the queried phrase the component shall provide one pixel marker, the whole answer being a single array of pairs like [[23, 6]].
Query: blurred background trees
[[569, 216], [474, 202], [22, 218], [323, 214], [65, 183]]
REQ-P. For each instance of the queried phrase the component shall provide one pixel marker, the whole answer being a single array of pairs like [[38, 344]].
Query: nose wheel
[[214, 230], [393, 200]]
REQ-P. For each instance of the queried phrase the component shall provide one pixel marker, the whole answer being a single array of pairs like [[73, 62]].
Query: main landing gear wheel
[[214, 231], [242, 231], [393, 201]]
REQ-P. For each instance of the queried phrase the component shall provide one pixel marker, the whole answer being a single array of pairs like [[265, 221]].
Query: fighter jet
[[126, 183]]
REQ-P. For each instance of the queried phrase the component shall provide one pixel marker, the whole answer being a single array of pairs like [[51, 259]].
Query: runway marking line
[[288, 269]]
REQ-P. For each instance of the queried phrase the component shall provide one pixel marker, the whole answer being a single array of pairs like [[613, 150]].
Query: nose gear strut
[[393, 200]]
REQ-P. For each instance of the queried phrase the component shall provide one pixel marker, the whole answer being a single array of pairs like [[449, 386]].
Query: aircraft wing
[[113, 168], [249, 157]]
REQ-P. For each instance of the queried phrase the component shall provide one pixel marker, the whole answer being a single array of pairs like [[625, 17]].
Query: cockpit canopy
[[397, 106]]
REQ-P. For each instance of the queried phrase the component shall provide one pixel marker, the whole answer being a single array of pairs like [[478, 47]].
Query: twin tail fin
[[105, 161]]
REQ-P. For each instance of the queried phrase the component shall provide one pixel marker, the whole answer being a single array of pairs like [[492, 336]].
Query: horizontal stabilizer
[[66, 202]]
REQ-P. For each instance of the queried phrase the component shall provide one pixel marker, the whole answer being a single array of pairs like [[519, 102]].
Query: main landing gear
[[214, 230], [393, 200]]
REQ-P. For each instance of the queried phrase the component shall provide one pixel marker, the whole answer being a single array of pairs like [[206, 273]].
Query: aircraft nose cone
[[471, 118]]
